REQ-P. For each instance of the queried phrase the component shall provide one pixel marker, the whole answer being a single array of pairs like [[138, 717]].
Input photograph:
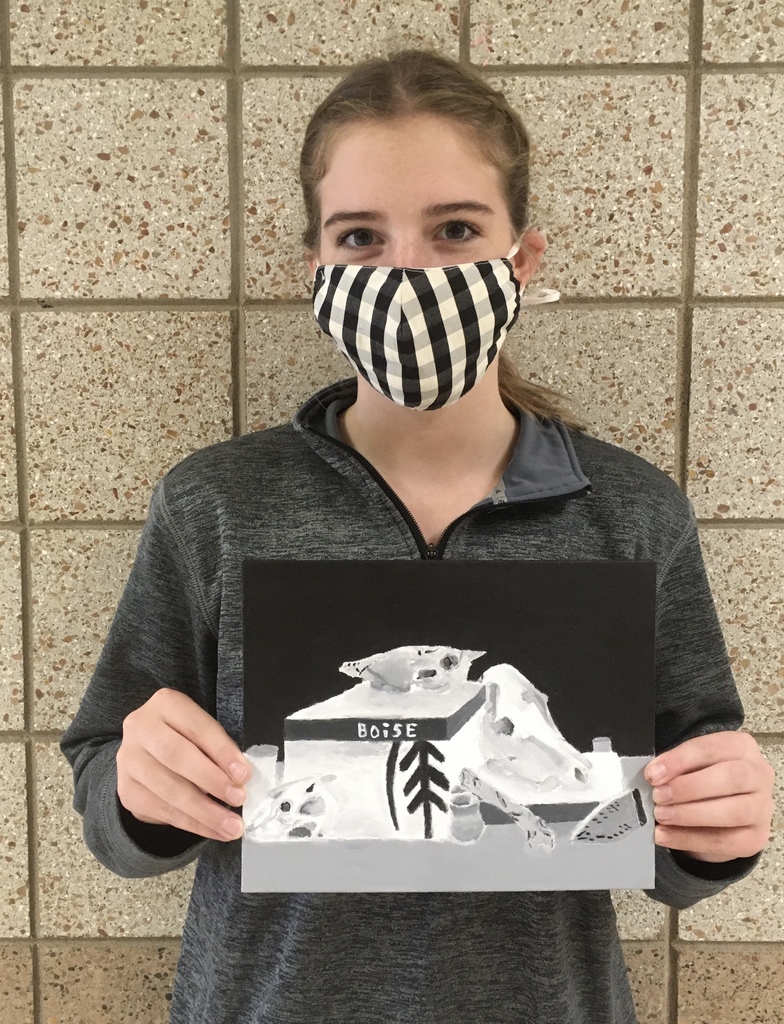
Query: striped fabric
[[422, 337]]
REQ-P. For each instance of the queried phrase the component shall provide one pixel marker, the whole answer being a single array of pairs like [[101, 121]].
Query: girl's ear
[[313, 261], [526, 260]]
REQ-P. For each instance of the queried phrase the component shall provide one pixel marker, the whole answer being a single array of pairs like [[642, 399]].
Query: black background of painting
[[581, 632]]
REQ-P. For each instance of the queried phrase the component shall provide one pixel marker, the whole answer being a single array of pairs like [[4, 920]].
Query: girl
[[434, 449]]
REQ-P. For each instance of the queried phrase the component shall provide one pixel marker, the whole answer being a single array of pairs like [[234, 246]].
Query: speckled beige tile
[[78, 577], [303, 33], [78, 896], [647, 967], [107, 981], [173, 32], [276, 113], [736, 435], [606, 179], [9, 509], [4, 288], [740, 233], [287, 360], [752, 909], [735, 987], [639, 917], [746, 568], [122, 188], [15, 916], [617, 367], [749, 31], [11, 669], [16, 984], [113, 400], [578, 31]]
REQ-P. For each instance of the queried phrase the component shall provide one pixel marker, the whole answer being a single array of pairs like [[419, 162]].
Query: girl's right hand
[[173, 760]]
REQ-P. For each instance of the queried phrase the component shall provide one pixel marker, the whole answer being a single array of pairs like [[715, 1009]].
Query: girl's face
[[415, 193]]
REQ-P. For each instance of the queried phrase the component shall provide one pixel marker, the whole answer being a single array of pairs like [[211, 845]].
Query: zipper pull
[[431, 551]]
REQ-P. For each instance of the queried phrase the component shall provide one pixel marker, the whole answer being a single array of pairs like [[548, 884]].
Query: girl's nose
[[408, 253]]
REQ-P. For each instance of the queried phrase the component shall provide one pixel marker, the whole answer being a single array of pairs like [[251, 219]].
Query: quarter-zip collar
[[543, 464]]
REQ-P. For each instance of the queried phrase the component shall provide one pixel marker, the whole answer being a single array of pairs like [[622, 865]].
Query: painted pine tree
[[423, 782]]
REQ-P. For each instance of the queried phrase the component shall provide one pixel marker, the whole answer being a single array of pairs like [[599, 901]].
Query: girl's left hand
[[713, 797]]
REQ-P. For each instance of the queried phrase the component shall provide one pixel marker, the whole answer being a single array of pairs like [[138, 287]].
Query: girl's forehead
[[422, 134], [406, 155]]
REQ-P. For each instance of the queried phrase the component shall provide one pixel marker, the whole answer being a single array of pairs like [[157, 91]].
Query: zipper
[[433, 551]]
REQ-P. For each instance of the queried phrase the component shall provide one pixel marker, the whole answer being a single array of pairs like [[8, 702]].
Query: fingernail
[[238, 772], [663, 814], [662, 794], [232, 828], [660, 836], [235, 796], [655, 772]]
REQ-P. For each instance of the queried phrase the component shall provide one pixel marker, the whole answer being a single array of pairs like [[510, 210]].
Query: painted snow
[[416, 750]]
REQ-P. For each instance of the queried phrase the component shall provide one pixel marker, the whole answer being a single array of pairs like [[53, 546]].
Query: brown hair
[[412, 82]]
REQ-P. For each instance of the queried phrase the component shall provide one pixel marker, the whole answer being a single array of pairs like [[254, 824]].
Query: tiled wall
[[156, 301]]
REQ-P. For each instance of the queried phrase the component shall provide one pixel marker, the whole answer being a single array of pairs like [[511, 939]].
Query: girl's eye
[[460, 225], [365, 238]]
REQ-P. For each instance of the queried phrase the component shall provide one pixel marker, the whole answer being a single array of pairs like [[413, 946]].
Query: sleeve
[[159, 637], [695, 695]]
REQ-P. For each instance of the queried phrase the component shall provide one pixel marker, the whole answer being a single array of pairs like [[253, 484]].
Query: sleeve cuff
[[679, 885], [723, 871], [137, 851]]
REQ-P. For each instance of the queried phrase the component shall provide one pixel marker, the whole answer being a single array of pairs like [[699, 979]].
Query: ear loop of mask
[[535, 298]]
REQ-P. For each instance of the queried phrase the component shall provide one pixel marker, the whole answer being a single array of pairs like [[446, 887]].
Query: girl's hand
[[713, 797], [173, 759]]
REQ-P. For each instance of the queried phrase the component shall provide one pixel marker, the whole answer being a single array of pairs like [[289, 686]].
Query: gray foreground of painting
[[498, 862]]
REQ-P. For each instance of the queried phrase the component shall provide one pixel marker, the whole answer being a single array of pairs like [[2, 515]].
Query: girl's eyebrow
[[437, 210]]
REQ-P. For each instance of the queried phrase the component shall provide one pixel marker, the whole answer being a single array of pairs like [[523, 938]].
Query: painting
[[448, 725]]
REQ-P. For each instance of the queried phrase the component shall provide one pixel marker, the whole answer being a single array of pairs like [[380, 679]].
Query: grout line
[[464, 32], [559, 70], [680, 945], [93, 940], [691, 168], [671, 965], [60, 304], [14, 293], [682, 396], [627, 70], [14, 526], [740, 524], [735, 946], [234, 127], [87, 524], [26, 72], [40, 736], [188, 305]]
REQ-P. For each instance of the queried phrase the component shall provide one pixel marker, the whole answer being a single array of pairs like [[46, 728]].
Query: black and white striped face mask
[[421, 336]]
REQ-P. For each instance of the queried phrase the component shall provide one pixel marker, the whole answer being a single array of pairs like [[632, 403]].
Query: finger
[[182, 757], [180, 799], [712, 844], [727, 812], [156, 812], [701, 752], [192, 721], [726, 779]]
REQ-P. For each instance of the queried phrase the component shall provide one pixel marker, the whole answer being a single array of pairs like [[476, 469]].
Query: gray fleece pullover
[[297, 492]]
